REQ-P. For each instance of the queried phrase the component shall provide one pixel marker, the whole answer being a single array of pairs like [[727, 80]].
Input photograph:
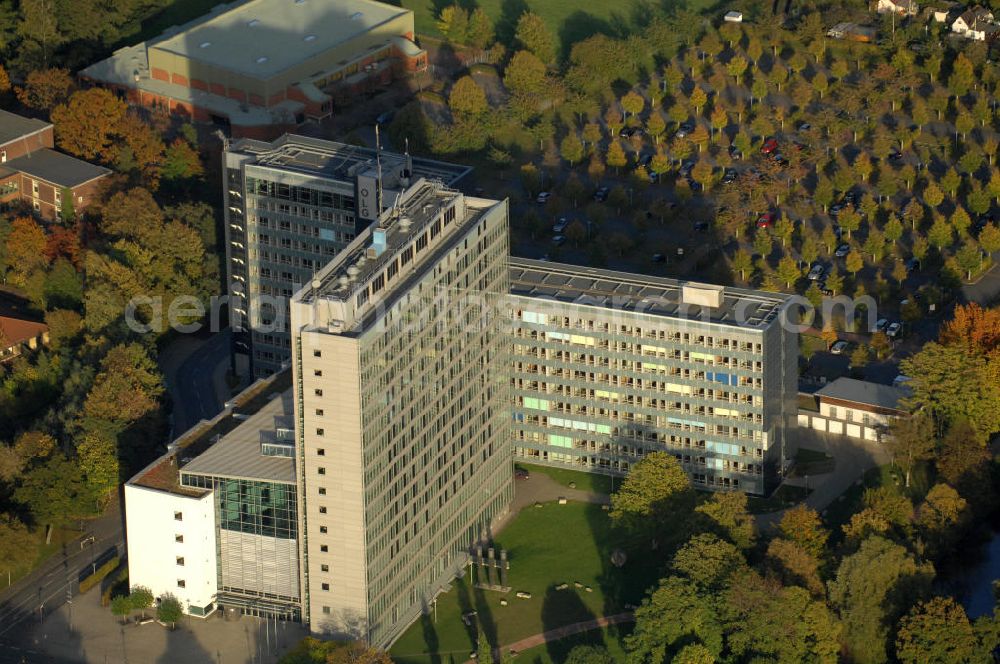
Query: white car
[[893, 330], [839, 347], [816, 272], [560, 225], [543, 197], [842, 250]]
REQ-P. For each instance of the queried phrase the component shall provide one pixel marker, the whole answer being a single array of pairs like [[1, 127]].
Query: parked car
[[659, 258], [779, 159], [558, 240], [839, 347], [880, 325], [912, 264], [385, 117], [816, 272], [701, 226], [893, 330], [543, 197], [684, 129], [766, 220], [734, 152], [686, 168], [625, 132], [804, 126], [895, 155], [601, 194], [729, 176], [842, 250], [850, 198], [770, 145], [560, 225]]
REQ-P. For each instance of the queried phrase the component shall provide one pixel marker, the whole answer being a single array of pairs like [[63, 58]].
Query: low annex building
[[33, 172], [19, 334], [261, 67], [856, 408]]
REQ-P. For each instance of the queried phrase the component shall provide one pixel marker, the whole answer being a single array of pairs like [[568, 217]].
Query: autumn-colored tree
[[525, 74], [467, 99], [88, 125], [803, 526], [633, 102], [480, 33], [181, 162], [795, 565], [534, 35], [4, 80], [26, 244], [571, 149], [938, 632], [453, 23], [44, 89], [616, 155], [974, 328], [127, 387]]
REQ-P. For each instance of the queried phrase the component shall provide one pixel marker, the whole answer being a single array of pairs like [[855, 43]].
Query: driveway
[[194, 368]]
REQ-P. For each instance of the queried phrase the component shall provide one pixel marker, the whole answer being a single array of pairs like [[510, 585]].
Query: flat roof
[[636, 293], [14, 126], [238, 453], [865, 392], [338, 161], [57, 168], [261, 38]]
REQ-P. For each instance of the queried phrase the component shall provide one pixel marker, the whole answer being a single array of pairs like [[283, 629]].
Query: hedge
[[96, 577]]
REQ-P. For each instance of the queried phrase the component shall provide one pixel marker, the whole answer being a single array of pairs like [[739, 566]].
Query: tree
[[45, 89], [849, 220], [854, 262], [467, 99], [871, 590], [533, 35], [571, 149], [658, 634], [788, 270], [169, 610], [585, 654], [730, 517], [39, 27], [941, 234], [616, 155], [480, 33], [525, 74], [121, 606], [633, 102], [875, 245], [943, 519], [736, 66], [951, 181], [937, 632], [989, 238], [26, 245], [834, 281], [126, 388], [893, 229], [972, 327], [803, 526], [97, 453], [708, 561], [453, 23], [141, 598], [698, 99], [762, 243], [649, 490], [655, 126], [55, 491], [18, 547], [180, 162], [962, 75], [862, 166], [795, 565], [969, 257], [742, 263], [933, 196], [87, 125], [4, 80]]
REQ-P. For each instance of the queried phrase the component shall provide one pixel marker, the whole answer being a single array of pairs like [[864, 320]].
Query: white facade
[[171, 545]]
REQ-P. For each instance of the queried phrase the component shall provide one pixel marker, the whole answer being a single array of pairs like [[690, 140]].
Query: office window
[[833, 411], [326, 609], [322, 530], [181, 583], [322, 510], [179, 539], [178, 516], [317, 353], [324, 568], [323, 548], [318, 393], [321, 452], [319, 432], [317, 372], [326, 586], [322, 491], [180, 561], [321, 471], [319, 411]]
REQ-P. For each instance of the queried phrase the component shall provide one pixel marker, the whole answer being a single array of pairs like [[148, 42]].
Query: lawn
[[593, 482], [570, 20], [60, 537], [784, 496], [547, 546], [840, 510], [555, 653]]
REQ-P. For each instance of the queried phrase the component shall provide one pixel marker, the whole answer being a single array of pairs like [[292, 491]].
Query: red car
[[770, 145], [765, 220]]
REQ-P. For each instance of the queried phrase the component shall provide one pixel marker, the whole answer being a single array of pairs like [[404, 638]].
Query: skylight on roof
[[204, 44], [309, 38], [262, 59], [357, 16], [253, 23]]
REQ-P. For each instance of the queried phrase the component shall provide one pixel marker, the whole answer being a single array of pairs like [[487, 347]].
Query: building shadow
[[430, 635], [183, 646]]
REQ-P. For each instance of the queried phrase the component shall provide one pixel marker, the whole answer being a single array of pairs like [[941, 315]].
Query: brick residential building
[[261, 67], [33, 172]]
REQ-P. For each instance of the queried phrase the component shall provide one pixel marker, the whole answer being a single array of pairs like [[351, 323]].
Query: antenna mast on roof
[[378, 171]]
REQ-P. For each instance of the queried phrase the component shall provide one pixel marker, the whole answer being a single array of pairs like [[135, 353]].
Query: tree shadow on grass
[[506, 25], [561, 608]]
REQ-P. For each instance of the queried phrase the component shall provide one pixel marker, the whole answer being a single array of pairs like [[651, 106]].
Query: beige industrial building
[[403, 426], [260, 66]]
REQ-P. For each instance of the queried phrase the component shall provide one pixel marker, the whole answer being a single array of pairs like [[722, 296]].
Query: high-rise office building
[[608, 366], [290, 206], [402, 410]]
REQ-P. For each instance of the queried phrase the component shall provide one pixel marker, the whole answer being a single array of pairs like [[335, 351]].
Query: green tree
[[893, 229], [525, 74], [141, 598], [55, 491], [937, 632], [849, 220], [872, 589], [941, 234], [616, 158], [18, 547], [875, 245], [169, 610], [694, 653], [480, 32], [794, 565], [969, 257], [730, 516], [911, 442], [633, 102], [651, 488], [951, 180], [943, 520], [467, 99], [571, 149], [533, 35], [708, 561], [933, 196], [762, 243], [803, 526], [788, 270], [587, 654], [989, 238], [658, 634], [453, 23], [180, 162], [698, 99], [121, 606], [736, 67], [655, 126], [963, 75], [742, 263], [854, 262]]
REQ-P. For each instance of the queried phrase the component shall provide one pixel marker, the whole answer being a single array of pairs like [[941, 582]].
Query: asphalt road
[[48, 587], [189, 366]]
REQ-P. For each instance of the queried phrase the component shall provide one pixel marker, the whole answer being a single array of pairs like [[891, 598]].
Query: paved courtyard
[[87, 632]]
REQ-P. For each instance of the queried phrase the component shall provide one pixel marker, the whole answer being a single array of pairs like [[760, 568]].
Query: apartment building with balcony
[[402, 410], [609, 366], [290, 206]]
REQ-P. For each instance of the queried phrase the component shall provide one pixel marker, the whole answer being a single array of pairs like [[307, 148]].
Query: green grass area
[[840, 510], [812, 462], [547, 546], [783, 497], [555, 653], [593, 482], [570, 20]]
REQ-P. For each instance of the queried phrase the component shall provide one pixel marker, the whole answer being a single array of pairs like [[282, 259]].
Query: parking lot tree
[[962, 76], [849, 220], [576, 232], [829, 239], [596, 167], [698, 99], [703, 173], [960, 220], [893, 229], [880, 344], [989, 238], [678, 110], [571, 148], [994, 184], [809, 248], [763, 243], [655, 126], [592, 134], [969, 257], [978, 198], [616, 155], [742, 262], [835, 281], [719, 119], [951, 180], [875, 245], [620, 243], [932, 195], [941, 234], [859, 357], [573, 190], [633, 102], [970, 161]]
